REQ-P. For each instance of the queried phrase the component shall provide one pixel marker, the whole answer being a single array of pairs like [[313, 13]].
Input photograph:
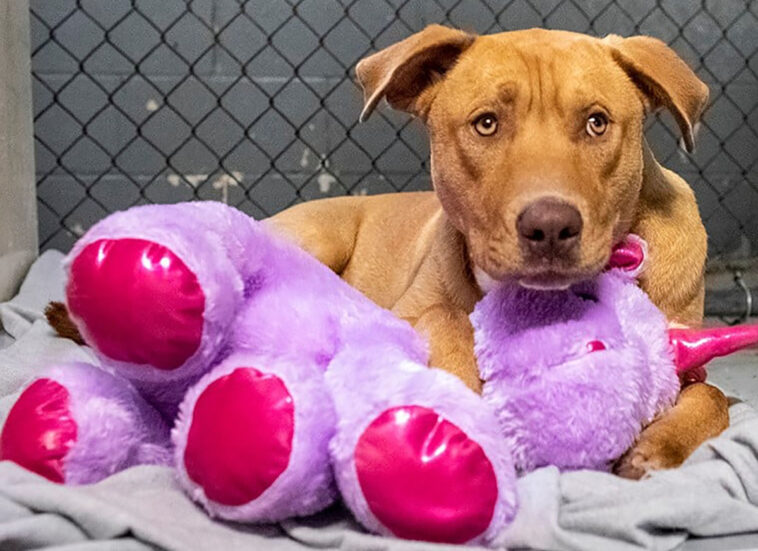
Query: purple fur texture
[[116, 428], [573, 375], [643, 324], [296, 305]]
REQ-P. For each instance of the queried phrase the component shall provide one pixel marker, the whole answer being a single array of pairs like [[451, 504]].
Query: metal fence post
[[18, 206]]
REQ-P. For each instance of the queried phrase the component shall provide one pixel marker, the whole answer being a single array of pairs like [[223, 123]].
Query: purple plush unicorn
[[286, 387]]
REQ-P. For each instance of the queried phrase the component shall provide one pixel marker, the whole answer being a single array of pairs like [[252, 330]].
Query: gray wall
[[264, 113], [18, 212]]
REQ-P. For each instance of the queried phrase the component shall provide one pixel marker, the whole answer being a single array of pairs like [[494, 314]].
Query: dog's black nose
[[549, 228]]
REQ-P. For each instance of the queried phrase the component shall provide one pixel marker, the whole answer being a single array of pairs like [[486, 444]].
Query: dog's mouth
[[556, 275], [539, 274], [548, 281], [554, 279]]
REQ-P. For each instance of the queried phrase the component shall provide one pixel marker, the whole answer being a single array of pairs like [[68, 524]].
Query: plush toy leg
[[417, 454], [252, 439], [78, 424], [150, 301], [154, 299]]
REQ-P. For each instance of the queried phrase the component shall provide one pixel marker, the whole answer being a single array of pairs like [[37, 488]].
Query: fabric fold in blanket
[[713, 494]]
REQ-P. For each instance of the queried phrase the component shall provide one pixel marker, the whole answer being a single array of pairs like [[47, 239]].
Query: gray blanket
[[142, 508]]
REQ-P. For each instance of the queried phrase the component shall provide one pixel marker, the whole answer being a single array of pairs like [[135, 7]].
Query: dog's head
[[536, 137]]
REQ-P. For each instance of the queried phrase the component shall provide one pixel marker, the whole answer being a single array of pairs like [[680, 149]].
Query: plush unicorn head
[[574, 375]]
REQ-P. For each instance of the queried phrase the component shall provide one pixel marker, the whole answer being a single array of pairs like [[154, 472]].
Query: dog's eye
[[486, 124], [597, 123]]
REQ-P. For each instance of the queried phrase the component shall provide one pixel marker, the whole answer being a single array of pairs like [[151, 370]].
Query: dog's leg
[[701, 412], [438, 306], [670, 223], [451, 343]]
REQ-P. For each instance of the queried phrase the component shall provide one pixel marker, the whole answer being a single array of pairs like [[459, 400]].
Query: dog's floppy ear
[[404, 71], [664, 78]]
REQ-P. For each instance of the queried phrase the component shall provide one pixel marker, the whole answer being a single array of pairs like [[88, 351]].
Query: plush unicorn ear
[[629, 256], [696, 347]]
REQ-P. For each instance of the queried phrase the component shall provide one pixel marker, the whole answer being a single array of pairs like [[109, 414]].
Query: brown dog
[[539, 166]]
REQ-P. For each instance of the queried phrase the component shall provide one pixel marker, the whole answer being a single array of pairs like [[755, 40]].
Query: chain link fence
[[253, 102]]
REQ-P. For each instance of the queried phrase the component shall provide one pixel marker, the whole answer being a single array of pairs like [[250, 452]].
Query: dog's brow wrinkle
[[556, 89], [528, 72], [540, 100], [542, 87]]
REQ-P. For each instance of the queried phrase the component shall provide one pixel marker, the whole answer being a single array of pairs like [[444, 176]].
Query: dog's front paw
[[655, 450], [700, 413]]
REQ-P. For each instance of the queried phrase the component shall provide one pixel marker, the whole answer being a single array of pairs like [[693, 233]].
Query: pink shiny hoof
[[138, 302], [423, 478], [240, 437], [40, 430]]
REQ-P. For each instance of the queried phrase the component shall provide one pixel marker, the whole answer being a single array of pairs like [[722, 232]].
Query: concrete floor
[[737, 375]]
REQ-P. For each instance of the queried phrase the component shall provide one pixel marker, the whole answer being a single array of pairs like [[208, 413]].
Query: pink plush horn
[[696, 347]]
